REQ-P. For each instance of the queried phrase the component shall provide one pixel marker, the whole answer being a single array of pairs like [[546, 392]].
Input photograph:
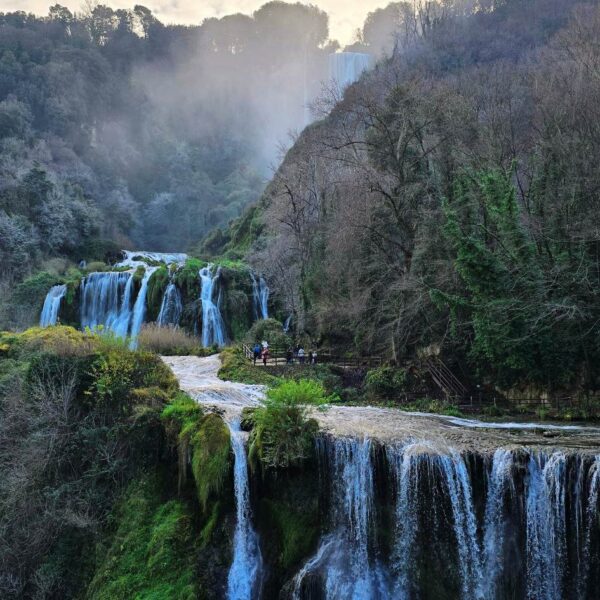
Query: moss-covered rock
[[211, 461], [150, 554], [157, 284]]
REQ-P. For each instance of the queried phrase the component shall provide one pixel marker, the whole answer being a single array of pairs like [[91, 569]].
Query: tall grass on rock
[[168, 341], [283, 433]]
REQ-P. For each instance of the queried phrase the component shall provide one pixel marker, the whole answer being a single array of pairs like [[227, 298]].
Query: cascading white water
[[343, 560], [213, 327], [346, 67], [286, 325], [409, 463], [499, 483], [106, 301], [139, 308], [260, 297], [244, 578], [171, 307], [546, 526], [51, 306]]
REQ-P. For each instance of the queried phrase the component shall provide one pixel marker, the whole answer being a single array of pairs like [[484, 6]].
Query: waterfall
[[346, 67], [409, 464], [260, 297], [343, 561], [51, 306], [244, 578], [546, 526], [499, 483], [171, 307], [286, 325], [106, 301], [139, 308], [535, 534], [213, 327]]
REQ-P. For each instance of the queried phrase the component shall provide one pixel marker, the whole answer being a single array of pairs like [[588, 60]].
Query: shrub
[[236, 367], [283, 435], [270, 330], [385, 382], [168, 341]]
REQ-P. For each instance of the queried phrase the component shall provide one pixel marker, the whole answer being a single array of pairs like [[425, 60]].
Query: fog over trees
[[450, 199]]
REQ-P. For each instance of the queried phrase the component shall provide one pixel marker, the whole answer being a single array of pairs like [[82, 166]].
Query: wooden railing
[[278, 357]]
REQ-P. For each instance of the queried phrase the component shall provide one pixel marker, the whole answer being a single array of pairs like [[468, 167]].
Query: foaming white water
[[244, 578], [213, 327], [198, 377], [135, 258], [51, 306], [476, 424]]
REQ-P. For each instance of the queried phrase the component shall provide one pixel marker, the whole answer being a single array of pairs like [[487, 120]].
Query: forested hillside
[[118, 131], [450, 200]]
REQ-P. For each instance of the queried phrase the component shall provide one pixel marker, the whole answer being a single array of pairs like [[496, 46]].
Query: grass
[[169, 341]]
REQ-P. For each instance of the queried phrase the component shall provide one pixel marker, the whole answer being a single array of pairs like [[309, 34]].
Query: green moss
[[296, 527], [151, 552], [210, 445], [156, 288], [139, 274], [187, 278]]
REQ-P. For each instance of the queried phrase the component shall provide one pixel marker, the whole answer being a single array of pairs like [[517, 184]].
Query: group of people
[[301, 355], [261, 352]]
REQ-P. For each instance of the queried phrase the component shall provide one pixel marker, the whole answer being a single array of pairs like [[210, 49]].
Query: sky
[[345, 16]]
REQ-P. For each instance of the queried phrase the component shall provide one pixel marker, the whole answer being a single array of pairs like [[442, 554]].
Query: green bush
[[283, 434], [236, 367], [385, 382], [270, 330]]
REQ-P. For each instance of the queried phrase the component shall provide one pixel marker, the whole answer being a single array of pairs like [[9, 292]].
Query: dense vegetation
[[448, 202]]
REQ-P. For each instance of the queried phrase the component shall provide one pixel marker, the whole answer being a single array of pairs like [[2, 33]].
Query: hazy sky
[[345, 16]]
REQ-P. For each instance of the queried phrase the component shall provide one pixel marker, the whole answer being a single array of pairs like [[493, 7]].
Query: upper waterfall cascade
[[260, 297], [51, 306], [171, 307], [108, 299], [346, 67], [213, 327], [119, 300]]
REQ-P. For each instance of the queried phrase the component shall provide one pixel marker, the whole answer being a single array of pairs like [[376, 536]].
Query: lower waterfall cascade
[[411, 517], [520, 523]]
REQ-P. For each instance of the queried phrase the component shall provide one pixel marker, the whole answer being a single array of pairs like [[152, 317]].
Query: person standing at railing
[[301, 355], [313, 358], [256, 352], [265, 355]]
